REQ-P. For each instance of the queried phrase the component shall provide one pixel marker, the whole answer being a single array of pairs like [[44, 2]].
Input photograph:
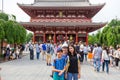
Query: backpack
[[48, 48], [30, 47], [23, 47], [44, 47]]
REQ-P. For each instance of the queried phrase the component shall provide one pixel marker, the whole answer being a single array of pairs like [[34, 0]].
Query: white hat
[[82, 46], [64, 45]]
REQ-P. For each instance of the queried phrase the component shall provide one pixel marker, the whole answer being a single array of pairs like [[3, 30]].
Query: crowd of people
[[10, 53], [66, 58]]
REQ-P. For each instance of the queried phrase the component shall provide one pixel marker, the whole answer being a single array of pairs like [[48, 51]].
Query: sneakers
[[49, 64], [51, 76]]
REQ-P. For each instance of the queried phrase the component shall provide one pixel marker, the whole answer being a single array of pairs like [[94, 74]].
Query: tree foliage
[[110, 35], [29, 37], [2, 33], [11, 30], [15, 33], [4, 16]]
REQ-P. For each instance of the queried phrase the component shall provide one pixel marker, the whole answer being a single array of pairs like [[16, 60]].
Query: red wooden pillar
[[44, 37], [54, 37], [33, 40], [86, 38], [66, 37], [77, 37]]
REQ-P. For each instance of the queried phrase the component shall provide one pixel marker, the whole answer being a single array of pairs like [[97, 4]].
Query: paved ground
[[25, 69]]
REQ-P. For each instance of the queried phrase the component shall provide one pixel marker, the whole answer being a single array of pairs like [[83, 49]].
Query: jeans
[[72, 75], [85, 55], [117, 61], [97, 64], [106, 62], [38, 54]]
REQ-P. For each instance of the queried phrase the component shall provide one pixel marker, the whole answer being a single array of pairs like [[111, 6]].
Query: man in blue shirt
[[37, 51], [44, 48]]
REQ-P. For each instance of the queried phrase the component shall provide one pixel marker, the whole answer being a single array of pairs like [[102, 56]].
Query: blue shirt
[[37, 48], [64, 56], [59, 64], [44, 47]]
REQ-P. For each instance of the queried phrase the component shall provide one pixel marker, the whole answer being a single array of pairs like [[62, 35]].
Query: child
[[90, 56], [59, 66]]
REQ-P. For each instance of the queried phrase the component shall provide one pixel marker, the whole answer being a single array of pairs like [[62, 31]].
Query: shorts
[[56, 77], [43, 52]]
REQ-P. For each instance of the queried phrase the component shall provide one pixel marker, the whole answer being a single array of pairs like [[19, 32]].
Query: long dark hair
[[69, 53], [106, 48]]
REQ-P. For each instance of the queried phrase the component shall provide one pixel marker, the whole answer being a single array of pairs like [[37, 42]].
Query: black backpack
[[23, 47]]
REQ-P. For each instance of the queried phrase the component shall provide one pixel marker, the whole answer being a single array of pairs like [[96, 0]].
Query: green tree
[[2, 33], [29, 37], [110, 35], [9, 32], [15, 33], [20, 33], [92, 39], [2, 24], [4, 16]]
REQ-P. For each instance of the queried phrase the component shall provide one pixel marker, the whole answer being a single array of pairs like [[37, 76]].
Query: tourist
[[111, 51], [50, 51], [65, 50], [81, 53], [105, 59], [59, 66], [73, 64], [37, 51], [22, 47], [117, 57], [7, 53], [97, 54], [17, 52], [12, 55], [44, 48], [31, 49], [85, 51], [65, 53]]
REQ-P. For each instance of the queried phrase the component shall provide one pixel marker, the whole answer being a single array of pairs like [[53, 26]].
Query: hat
[[65, 45], [59, 49], [81, 46]]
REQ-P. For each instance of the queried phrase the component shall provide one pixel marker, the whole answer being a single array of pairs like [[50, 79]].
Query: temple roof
[[84, 25], [61, 4], [61, 0], [79, 5]]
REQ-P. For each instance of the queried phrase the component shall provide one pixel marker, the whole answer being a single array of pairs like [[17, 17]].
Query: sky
[[110, 11]]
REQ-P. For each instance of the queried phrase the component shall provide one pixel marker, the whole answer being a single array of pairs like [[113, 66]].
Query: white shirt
[[117, 54], [105, 56]]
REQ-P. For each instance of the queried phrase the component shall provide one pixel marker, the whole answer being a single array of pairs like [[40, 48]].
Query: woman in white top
[[117, 57], [105, 59]]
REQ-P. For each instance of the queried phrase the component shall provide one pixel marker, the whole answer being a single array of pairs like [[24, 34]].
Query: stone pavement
[[25, 69]]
